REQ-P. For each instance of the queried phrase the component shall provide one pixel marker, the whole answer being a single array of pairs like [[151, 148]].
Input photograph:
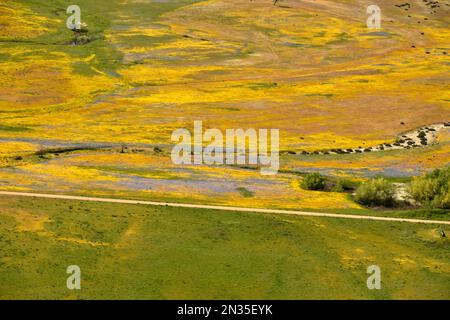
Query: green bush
[[432, 189], [376, 192], [313, 181]]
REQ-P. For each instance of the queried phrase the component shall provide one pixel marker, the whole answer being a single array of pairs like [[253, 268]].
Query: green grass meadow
[[147, 252]]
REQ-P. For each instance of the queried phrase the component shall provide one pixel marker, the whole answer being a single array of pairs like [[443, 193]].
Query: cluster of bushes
[[433, 189]]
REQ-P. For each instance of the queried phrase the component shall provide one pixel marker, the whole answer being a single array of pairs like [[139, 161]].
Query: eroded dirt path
[[421, 137]]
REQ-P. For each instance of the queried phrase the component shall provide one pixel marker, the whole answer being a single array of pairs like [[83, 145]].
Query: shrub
[[313, 181], [376, 192], [432, 189]]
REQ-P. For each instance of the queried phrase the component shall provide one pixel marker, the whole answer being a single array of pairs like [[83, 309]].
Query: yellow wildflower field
[[311, 69]]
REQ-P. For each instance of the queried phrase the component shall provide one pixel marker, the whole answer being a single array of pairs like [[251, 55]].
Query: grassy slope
[[127, 251]]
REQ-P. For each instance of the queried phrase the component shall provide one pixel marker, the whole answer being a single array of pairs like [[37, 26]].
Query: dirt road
[[224, 208]]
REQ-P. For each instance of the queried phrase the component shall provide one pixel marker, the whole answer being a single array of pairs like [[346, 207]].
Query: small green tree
[[313, 181], [376, 192]]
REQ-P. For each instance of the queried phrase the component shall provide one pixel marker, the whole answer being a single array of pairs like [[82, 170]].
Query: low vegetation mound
[[318, 182]]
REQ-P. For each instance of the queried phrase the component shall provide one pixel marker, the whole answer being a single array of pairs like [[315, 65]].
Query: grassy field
[[145, 252]]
